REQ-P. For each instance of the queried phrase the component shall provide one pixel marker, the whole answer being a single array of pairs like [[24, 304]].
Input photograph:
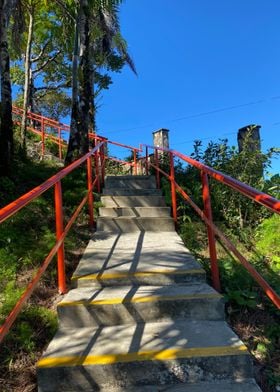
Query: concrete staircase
[[141, 317]]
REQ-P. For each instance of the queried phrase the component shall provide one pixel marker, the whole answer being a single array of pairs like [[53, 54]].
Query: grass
[[251, 315], [25, 240]]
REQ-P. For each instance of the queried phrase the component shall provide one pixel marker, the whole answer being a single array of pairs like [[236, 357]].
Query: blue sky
[[205, 69]]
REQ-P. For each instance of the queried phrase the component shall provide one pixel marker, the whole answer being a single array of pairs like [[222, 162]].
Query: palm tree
[[97, 31], [7, 7]]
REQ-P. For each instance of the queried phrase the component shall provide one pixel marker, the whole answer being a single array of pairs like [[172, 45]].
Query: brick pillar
[[161, 138]]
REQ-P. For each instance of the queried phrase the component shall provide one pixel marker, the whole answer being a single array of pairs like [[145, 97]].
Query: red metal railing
[[206, 215], [41, 124], [98, 157]]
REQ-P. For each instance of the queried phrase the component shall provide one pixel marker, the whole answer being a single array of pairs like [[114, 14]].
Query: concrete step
[[127, 224], [114, 212], [131, 182], [248, 385], [131, 192], [135, 356], [140, 258], [133, 201], [126, 305]]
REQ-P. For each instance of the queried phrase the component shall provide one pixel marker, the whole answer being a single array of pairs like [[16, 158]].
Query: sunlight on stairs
[[140, 316]]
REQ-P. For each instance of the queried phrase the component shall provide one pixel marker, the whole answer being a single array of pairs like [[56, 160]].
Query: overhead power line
[[197, 115]]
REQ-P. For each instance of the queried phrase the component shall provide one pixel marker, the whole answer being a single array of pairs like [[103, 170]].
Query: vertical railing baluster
[[43, 136], [96, 161], [59, 143], [102, 152], [157, 167], [59, 231], [173, 189], [210, 232], [90, 192], [147, 162], [135, 161]]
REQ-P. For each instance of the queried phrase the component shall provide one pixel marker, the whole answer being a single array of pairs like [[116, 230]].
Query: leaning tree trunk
[[6, 121], [28, 76]]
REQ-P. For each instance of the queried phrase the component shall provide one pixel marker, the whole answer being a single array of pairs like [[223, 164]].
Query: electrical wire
[[197, 115]]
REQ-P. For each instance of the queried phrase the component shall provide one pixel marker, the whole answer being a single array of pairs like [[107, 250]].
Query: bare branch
[[35, 59], [51, 88], [48, 61]]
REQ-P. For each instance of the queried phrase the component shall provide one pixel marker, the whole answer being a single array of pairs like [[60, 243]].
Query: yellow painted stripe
[[151, 298], [119, 275], [163, 355]]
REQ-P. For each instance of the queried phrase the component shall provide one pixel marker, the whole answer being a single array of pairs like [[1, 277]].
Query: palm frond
[[121, 46], [18, 25]]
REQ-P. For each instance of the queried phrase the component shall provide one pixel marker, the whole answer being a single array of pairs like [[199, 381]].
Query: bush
[[268, 241]]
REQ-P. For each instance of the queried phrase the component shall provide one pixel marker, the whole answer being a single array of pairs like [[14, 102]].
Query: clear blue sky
[[195, 57]]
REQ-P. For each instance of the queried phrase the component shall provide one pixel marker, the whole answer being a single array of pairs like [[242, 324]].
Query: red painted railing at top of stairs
[[96, 158]]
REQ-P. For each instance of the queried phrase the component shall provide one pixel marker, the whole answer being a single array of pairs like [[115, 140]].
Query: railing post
[[59, 231], [90, 190], [157, 167], [59, 143], [43, 136], [210, 232], [173, 189], [147, 162], [135, 162], [103, 164], [96, 162]]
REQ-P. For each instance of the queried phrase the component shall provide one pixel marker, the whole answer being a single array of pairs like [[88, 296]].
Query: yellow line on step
[[119, 275], [163, 355], [151, 298]]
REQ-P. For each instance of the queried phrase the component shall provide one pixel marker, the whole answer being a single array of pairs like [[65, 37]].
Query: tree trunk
[[85, 66], [78, 141], [74, 137], [28, 76], [6, 121]]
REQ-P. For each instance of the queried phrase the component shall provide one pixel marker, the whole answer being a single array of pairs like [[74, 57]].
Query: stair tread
[[119, 295], [129, 241], [129, 177], [134, 211], [247, 385], [134, 253], [159, 341], [131, 192], [133, 201]]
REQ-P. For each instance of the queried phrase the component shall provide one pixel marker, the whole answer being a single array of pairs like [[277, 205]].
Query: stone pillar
[[252, 134], [161, 138]]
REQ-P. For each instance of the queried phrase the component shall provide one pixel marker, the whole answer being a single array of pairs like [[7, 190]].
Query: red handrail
[[212, 230], [252, 193], [98, 152], [61, 232]]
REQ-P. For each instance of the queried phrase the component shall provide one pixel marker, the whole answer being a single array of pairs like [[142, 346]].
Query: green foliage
[[268, 241], [34, 327], [25, 240]]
